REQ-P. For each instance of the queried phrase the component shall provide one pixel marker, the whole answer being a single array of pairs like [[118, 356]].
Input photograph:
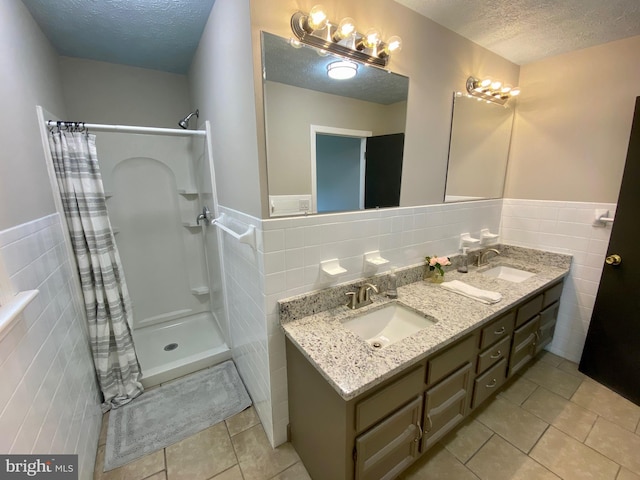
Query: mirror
[[318, 130], [478, 149]]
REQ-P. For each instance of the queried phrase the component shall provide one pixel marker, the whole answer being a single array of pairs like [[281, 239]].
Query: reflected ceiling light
[[493, 91], [342, 70], [343, 39]]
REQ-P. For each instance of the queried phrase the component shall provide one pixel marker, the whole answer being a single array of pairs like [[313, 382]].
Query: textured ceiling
[[156, 34], [525, 31], [304, 68]]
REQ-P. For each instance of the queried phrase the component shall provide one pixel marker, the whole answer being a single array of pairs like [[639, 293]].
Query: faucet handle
[[352, 300]]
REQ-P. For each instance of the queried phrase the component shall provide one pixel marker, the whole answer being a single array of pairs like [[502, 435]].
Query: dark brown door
[[383, 171], [612, 350]]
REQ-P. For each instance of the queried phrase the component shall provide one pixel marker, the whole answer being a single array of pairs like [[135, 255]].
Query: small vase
[[436, 277]]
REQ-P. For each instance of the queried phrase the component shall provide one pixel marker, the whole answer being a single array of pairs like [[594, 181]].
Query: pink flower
[[442, 261], [433, 261]]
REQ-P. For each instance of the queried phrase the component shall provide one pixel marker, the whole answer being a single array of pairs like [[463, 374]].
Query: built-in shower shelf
[[188, 192], [108, 194], [203, 290]]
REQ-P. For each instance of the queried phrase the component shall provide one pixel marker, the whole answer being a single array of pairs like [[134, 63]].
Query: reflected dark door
[[383, 171], [612, 350]]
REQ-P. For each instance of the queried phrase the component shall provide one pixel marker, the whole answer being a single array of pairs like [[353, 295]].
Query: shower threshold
[[172, 349]]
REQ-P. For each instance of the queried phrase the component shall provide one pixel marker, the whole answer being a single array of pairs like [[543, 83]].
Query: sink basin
[[387, 325], [510, 274]]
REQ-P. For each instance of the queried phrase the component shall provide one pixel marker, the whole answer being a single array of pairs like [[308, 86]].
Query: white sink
[[510, 274], [387, 325]]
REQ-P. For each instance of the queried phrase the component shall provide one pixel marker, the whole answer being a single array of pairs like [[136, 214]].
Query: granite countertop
[[352, 366]]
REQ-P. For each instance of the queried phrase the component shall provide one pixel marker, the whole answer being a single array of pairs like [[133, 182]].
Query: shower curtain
[[106, 297]]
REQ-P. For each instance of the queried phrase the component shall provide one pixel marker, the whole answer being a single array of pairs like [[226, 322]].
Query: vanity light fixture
[[342, 38], [342, 70], [492, 91]]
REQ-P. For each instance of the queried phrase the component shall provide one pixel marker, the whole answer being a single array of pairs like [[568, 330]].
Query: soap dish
[[332, 268], [373, 260]]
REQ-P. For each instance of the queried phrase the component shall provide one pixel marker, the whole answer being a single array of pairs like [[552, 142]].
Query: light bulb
[[371, 38], [496, 85], [346, 27], [515, 91], [393, 44], [317, 18], [485, 83], [505, 89]]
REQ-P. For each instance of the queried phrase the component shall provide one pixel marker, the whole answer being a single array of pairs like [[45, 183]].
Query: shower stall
[[155, 187]]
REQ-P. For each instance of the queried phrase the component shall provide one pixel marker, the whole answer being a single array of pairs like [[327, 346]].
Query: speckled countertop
[[352, 366]]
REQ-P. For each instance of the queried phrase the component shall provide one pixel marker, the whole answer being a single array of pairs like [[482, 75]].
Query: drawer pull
[[492, 384], [499, 332], [430, 423], [498, 354], [416, 440]]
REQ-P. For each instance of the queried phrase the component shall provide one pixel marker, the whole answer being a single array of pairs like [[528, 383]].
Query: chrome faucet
[[482, 256], [362, 297]]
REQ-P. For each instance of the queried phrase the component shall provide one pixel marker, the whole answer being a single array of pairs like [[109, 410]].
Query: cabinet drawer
[[523, 332], [446, 405], [551, 295], [393, 396], [528, 310], [390, 447], [497, 330], [444, 363], [493, 354], [489, 382]]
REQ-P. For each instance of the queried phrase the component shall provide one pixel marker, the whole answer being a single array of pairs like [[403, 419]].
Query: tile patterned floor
[[551, 422]]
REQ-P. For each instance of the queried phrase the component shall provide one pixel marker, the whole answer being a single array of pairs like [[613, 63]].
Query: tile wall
[[49, 400], [564, 227], [286, 263]]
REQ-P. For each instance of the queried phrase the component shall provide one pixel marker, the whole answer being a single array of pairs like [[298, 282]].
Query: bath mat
[[170, 413]]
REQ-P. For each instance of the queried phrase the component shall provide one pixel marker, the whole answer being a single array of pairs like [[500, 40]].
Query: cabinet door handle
[[492, 384], [499, 332], [430, 424], [498, 354], [416, 440]]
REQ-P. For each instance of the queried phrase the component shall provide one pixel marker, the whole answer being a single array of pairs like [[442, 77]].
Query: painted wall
[[436, 60], [572, 124], [290, 113], [221, 84], [29, 76]]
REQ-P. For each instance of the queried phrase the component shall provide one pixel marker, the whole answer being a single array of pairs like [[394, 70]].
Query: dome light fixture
[[342, 70]]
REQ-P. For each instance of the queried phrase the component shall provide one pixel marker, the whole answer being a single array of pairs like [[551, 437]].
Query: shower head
[[184, 123]]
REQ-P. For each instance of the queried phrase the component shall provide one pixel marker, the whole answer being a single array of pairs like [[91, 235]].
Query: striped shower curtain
[[104, 289]]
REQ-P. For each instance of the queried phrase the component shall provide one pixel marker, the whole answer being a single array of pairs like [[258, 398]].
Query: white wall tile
[[564, 227], [38, 365]]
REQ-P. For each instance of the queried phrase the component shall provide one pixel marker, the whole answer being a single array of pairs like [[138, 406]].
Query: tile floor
[[550, 422]]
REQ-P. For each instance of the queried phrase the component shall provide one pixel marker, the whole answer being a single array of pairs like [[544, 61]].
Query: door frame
[[339, 132]]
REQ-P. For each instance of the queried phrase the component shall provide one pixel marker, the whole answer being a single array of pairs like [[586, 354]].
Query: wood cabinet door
[[391, 446], [446, 405]]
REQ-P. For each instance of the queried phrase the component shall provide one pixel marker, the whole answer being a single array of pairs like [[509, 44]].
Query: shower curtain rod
[[132, 129]]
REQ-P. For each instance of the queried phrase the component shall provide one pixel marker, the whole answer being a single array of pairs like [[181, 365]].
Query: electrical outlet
[[303, 205]]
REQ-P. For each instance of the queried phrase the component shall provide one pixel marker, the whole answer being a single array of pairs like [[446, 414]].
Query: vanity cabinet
[[382, 431]]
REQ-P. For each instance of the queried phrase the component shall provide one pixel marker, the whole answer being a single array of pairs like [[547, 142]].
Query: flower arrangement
[[435, 265]]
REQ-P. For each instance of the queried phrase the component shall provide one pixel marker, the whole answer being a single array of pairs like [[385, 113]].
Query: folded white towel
[[484, 296]]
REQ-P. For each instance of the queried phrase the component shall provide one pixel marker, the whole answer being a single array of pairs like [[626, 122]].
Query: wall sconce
[[315, 29], [492, 91]]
